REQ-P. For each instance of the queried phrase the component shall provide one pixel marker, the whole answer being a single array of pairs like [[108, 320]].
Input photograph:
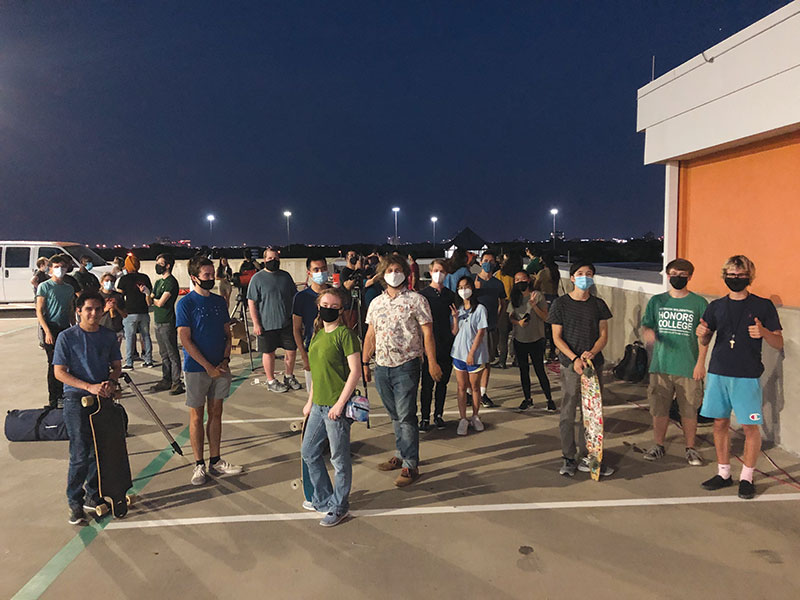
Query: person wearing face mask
[[334, 355], [740, 320], [305, 310], [580, 332], [205, 333], [527, 313], [136, 288], [113, 307], [69, 267], [55, 311], [470, 353], [269, 299], [85, 278], [440, 299], [400, 332], [491, 293], [678, 363], [165, 294], [42, 266]]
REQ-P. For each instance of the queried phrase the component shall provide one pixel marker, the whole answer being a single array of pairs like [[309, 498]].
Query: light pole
[[395, 210], [554, 212], [210, 219], [433, 220], [287, 214]]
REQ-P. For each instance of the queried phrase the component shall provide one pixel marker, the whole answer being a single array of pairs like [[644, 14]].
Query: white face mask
[[465, 293], [437, 276], [58, 272], [108, 284], [394, 279]]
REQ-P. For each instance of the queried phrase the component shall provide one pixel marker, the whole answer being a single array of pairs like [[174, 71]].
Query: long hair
[[473, 301], [393, 259], [550, 263], [342, 296], [512, 265], [516, 295], [458, 260]]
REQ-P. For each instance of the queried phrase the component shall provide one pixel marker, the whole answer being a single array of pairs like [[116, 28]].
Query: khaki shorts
[[200, 387], [663, 388]]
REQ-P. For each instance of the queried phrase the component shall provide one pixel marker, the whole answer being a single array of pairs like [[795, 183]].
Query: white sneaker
[[199, 475], [223, 467], [309, 506], [463, 425], [476, 423]]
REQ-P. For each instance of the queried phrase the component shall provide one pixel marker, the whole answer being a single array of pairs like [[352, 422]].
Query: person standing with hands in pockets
[[741, 320], [335, 359]]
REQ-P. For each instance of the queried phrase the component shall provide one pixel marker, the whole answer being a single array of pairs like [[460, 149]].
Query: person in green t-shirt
[[165, 294], [334, 356], [678, 367]]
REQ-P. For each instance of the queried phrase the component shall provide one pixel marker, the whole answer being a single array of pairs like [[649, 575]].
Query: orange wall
[[744, 201]]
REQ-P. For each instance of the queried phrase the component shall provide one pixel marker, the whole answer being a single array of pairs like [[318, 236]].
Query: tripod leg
[[175, 447]]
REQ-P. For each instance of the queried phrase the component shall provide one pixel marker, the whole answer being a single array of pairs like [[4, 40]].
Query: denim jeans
[[319, 430], [134, 324], [82, 462], [398, 389], [55, 389], [167, 338]]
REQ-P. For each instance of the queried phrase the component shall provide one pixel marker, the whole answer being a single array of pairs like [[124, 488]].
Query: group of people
[[451, 325]]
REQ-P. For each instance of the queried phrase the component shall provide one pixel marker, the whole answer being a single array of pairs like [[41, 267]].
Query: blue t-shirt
[[59, 301], [469, 323], [305, 306], [451, 279], [207, 318], [87, 355]]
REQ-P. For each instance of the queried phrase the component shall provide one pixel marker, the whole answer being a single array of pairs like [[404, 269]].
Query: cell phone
[[526, 317]]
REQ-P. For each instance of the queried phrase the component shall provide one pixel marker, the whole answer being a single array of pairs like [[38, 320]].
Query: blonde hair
[[338, 293], [740, 261]]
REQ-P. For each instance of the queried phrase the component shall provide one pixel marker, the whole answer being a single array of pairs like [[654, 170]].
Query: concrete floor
[[490, 518]]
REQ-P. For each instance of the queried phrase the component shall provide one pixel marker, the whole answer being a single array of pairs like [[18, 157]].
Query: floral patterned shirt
[[398, 326]]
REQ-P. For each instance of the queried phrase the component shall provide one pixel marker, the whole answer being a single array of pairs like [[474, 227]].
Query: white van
[[18, 264]]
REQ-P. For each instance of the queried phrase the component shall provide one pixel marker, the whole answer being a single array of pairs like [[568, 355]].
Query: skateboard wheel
[[129, 498], [87, 401], [102, 510], [296, 426], [296, 483]]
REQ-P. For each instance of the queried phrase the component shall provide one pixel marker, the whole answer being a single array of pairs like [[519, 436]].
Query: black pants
[[428, 384], [534, 350], [548, 329], [55, 389]]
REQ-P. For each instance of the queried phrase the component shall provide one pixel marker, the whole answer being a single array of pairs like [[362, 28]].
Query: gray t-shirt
[[534, 329], [273, 294]]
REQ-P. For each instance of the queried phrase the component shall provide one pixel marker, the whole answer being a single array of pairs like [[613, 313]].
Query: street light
[[433, 220], [210, 219], [395, 210], [287, 214], [554, 212]]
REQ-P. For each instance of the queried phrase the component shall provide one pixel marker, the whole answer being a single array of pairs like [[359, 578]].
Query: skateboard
[[305, 479], [592, 409], [111, 453]]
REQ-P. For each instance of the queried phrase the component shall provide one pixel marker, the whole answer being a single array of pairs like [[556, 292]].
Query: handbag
[[357, 408]]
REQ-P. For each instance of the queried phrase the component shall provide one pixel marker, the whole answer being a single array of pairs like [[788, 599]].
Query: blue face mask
[[584, 283], [89, 266], [487, 267], [319, 278]]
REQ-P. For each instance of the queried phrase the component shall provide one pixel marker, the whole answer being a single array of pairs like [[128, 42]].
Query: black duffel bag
[[41, 424], [633, 366]]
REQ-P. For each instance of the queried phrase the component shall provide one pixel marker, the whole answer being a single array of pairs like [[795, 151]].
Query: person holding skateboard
[[678, 365], [741, 320], [86, 360], [334, 356], [205, 333], [580, 332]]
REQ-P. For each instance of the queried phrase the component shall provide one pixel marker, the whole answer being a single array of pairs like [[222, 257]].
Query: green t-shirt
[[674, 321], [166, 313], [327, 357], [59, 302]]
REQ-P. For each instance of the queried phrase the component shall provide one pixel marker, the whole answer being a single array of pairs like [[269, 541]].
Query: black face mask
[[160, 269], [329, 315], [206, 284], [737, 284], [272, 265], [678, 281], [353, 260], [521, 286]]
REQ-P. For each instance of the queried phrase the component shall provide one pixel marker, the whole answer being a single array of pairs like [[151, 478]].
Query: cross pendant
[[732, 343]]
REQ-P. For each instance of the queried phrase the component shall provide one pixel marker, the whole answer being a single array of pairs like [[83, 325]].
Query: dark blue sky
[[121, 122]]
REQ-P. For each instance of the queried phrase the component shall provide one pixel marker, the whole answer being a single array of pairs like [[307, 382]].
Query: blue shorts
[[460, 365], [742, 394]]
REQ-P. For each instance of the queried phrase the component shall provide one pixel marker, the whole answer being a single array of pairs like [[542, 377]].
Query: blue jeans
[[82, 462], [134, 324], [398, 389], [319, 429]]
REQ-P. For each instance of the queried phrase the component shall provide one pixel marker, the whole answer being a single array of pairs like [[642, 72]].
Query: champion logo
[[755, 416]]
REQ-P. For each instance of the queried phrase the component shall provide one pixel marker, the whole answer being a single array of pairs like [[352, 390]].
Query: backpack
[[633, 366]]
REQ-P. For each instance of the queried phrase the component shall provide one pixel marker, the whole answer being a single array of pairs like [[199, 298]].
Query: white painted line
[[439, 510], [18, 329]]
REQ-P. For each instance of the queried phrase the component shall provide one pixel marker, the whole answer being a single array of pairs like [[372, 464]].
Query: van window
[[49, 252], [17, 257]]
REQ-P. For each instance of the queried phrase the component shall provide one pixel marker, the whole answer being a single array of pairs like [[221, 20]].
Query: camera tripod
[[240, 313]]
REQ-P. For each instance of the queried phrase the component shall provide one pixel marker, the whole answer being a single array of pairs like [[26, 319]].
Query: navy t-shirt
[[731, 319], [87, 355], [489, 295], [206, 317], [305, 306]]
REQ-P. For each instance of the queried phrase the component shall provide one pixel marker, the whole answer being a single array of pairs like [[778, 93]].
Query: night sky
[[123, 122]]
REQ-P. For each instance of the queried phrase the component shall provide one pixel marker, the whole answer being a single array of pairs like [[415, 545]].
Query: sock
[[469, 391], [724, 471], [213, 460], [747, 473], [200, 462], [483, 391], [271, 380]]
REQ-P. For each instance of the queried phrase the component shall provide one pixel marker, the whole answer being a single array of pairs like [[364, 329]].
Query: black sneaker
[[424, 425], [177, 389], [551, 406], [747, 491], [127, 367], [161, 386], [486, 402], [439, 421], [149, 364], [717, 483], [526, 404], [77, 516]]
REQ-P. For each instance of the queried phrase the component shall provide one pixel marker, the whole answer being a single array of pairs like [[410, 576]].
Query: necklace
[[732, 341]]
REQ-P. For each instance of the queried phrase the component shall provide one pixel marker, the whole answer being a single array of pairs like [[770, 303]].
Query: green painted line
[[38, 584]]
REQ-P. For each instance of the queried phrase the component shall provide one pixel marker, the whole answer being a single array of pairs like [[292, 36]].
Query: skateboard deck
[[305, 480], [592, 409], [111, 453]]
